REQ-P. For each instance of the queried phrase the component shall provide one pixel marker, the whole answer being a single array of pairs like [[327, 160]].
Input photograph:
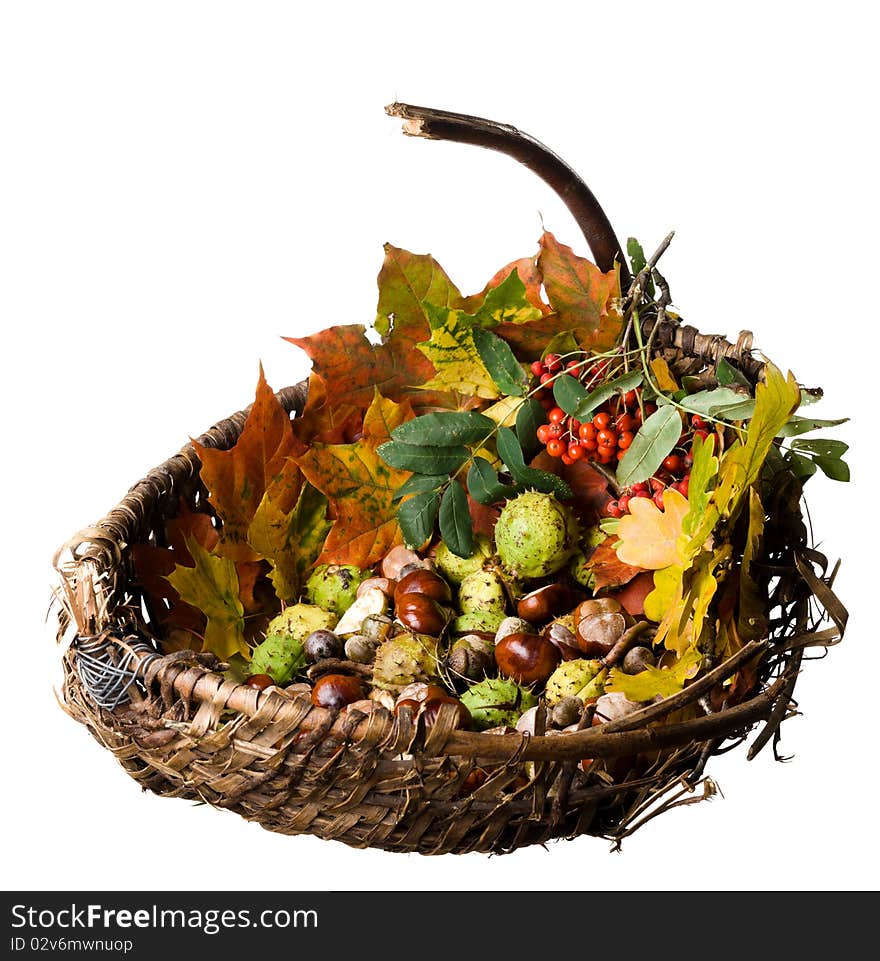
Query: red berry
[[684, 486], [697, 422], [546, 400], [546, 377], [555, 447], [568, 461], [554, 431], [572, 365], [575, 451], [587, 431], [557, 415], [537, 368], [655, 485], [673, 464], [620, 454], [658, 498], [553, 363], [701, 433], [612, 509], [625, 422], [590, 445], [688, 461], [623, 502], [544, 433], [607, 438], [631, 398], [625, 439], [641, 486], [606, 455], [650, 409], [642, 492], [601, 420]]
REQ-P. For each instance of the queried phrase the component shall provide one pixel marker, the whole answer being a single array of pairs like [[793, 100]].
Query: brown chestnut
[[423, 582], [560, 636], [526, 658], [431, 711], [544, 604], [598, 633], [421, 614], [259, 681], [334, 691], [410, 702]]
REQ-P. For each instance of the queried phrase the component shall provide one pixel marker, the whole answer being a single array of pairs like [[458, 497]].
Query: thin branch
[[575, 194]]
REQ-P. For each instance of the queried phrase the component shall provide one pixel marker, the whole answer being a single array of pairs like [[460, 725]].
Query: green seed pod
[[535, 535], [403, 659], [334, 586], [454, 568], [479, 622], [482, 591], [579, 678], [282, 654], [497, 702]]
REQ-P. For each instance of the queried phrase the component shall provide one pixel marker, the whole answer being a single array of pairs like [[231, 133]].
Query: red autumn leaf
[[238, 478], [484, 517], [607, 569], [631, 596], [585, 299], [325, 421], [360, 487], [589, 486]]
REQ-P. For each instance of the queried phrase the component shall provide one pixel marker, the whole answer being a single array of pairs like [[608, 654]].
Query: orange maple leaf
[[360, 487], [238, 478]]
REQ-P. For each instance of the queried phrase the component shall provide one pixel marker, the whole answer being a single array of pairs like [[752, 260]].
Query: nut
[[396, 559], [545, 603], [637, 659], [598, 633], [361, 649], [513, 625], [526, 658], [424, 582], [370, 602], [422, 614]]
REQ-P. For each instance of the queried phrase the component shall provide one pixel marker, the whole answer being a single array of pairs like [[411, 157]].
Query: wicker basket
[[181, 729]]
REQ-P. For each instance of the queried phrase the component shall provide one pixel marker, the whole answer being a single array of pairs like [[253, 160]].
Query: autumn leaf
[[656, 681], [291, 541], [360, 487], [648, 536], [663, 375], [607, 568], [324, 420], [585, 299], [752, 622], [212, 586], [238, 478], [454, 355], [529, 276]]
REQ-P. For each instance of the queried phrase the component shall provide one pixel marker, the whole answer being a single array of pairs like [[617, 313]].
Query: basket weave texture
[[381, 780]]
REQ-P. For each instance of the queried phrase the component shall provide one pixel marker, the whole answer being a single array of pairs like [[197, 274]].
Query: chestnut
[[334, 691], [598, 633], [396, 559], [322, 644], [421, 614], [544, 604], [259, 681], [637, 659], [410, 702], [561, 637], [526, 658], [423, 582], [431, 711]]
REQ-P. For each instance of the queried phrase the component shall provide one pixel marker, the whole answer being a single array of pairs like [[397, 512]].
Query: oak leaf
[[649, 537], [656, 681], [360, 488]]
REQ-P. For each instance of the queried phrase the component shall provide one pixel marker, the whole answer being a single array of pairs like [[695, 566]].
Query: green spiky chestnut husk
[[454, 568], [579, 678], [282, 654], [535, 535], [497, 702], [334, 586], [481, 591], [404, 659], [480, 622]]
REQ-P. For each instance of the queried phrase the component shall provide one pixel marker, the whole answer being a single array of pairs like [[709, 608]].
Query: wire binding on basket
[[108, 666]]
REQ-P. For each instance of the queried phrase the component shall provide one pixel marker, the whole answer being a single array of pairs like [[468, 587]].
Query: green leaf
[[638, 261], [507, 303], [796, 425], [484, 485], [713, 402], [511, 453], [453, 353], [422, 460], [456, 526], [812, 396], [833, 467], [417, 517], [568, 393], [444, 428], [802, 467], [598, 397], [727, 374], [703, 471], [563, 343], [498, 359], [825, 448], [530, 416], [656, 681], [742, 411], [419, 483], [609, 525], [654, 440]]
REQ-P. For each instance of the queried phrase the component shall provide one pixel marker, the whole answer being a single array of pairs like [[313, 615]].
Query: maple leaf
[[360, 487], [454, 355], [324, 420], [607, 568], [585, 299], [530, 277], [238, 478], [212, 586], [291, 541], [649, 537]]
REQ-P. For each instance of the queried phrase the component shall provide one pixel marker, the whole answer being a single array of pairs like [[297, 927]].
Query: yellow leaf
[[666, 593], [656, 681], [752, 622], [648, 536], [663, 375], [503, 412], [454, 355], [212, 587]]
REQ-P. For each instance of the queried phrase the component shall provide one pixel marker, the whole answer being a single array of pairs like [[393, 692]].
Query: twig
[[575, 194]]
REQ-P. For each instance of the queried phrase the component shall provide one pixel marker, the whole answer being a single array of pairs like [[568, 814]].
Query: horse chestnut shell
[[423, 582], [526, 658], [334, 691]]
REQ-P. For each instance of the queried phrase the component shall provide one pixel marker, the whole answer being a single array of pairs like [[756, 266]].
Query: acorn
[[471, 656], [637, 659]]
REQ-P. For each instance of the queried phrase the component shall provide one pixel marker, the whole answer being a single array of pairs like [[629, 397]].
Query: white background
[[184, 183]]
